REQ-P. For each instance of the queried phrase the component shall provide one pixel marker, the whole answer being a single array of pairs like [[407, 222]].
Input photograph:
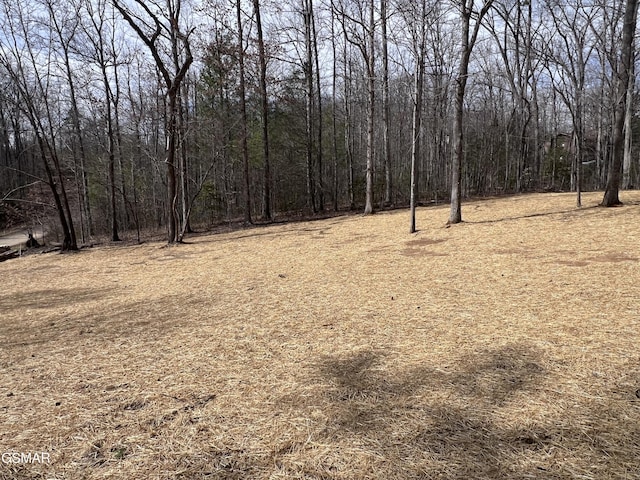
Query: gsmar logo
[[25, 457]]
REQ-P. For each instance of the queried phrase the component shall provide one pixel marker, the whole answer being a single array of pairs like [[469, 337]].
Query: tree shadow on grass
[[465, 420], [573, 211], [53, 314], [48, 298], [427, 421]]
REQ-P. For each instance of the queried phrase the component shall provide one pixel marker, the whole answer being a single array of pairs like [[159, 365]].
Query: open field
[[506, 347]]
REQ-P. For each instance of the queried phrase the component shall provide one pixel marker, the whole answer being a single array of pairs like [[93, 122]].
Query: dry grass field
[[506, 347]]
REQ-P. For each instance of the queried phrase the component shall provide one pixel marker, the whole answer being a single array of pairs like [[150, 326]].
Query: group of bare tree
[[167, 113]]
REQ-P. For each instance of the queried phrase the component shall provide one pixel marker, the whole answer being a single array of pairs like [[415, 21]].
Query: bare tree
[[468, 15], [368, 53], [152, 30], [572, 54], [264, 114], [417, 22], [319, 133], [28, 63], [65, 26], [334, 107], [512, 30], [348, 127], [308, 69], [386, 144], [244, 118], [105, 60], [623, 73], [628, 130], [359, 28]]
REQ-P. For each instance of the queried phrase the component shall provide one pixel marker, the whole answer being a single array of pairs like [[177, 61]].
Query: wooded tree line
[[127, 115]]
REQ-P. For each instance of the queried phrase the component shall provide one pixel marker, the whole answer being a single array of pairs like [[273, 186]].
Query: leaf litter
[[505, 347]]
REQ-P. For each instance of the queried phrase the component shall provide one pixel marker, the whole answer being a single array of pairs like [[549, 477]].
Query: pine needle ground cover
[[505, 347]]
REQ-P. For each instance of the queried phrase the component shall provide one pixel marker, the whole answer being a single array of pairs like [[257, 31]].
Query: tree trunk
[[173, 81], [185, 197], [624, 72], [319, 152], [334, 118], [416, 132], [267, 213], [244, 119], [111, 161], [348, 128], [308, 76], [468, 42], [68, 236], [386, 143], [172, 185], [371, 105], [455, 214], [84, 181], [578, 157], [628, 128]]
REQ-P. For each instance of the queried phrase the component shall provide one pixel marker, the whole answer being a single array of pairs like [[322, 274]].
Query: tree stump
[[32, 242]]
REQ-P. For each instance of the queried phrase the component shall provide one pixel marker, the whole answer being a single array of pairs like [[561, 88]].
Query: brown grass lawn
[[506, 347]]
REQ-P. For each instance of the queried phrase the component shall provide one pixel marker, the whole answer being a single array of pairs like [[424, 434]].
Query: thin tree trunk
[[185, 202], [371, 106], [308, 74], [348, 127], [319, 152], [386, 144], [111, 161], [267, 213], [84, 181], [68, 235], [244, 119], [578, 158], [118, 138], [416, 130], [628, 127], [334, 120]]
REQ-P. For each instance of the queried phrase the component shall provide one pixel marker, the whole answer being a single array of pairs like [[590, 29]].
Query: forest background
[[125, 116]]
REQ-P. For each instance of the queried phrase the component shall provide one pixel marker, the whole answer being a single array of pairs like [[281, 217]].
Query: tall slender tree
[[419, 41], [386, 143], [105, 60], [334, 108], [469, 35], [572, 55], [264, 115], [628, 131], [28, 64], [152, 29], [308, 69], [244, 119], [369, 55], [65, 25], [320, 121]]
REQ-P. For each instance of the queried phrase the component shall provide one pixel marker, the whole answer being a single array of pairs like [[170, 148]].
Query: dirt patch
[[264, 353], [416, 252], [614, 258], [572, 263], [413, 247], [423, 242]]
